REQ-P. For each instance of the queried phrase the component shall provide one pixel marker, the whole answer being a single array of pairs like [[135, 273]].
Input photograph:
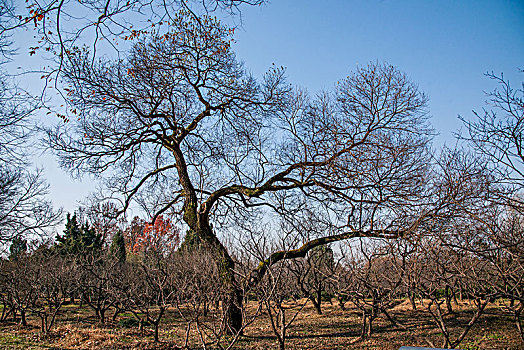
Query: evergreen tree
[[118, 247], [18, 247], [78, 239], [90, 240]]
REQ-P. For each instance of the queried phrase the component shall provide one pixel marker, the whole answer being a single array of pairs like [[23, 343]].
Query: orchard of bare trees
[[261, 205]]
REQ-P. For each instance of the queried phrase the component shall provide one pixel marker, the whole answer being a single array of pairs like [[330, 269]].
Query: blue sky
[[444, 46]]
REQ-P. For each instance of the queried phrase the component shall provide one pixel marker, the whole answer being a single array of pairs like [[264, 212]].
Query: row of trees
[[434, 272], [81, 265]]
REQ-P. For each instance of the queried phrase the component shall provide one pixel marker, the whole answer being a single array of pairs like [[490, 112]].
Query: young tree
[[312, 274], [151, 291], [197, 279], [496, 135], [98, 275], [275, 291], [20, 279], [439, 265], [54, 284]]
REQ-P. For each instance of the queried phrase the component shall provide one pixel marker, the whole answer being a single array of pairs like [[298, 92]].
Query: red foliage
[[162, 237]]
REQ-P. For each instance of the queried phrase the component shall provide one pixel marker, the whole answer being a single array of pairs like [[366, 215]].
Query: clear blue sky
[[444, 46]]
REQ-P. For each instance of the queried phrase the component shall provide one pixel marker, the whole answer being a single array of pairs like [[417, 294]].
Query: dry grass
[[334, 329]]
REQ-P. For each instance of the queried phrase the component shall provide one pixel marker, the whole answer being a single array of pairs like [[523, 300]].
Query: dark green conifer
[[78, 239], [18, 248], [118, 247]]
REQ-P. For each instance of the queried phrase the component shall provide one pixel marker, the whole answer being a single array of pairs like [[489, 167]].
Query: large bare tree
[[179, 125]]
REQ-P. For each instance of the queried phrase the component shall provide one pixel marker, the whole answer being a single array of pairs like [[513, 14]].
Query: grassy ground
[[334, 329]]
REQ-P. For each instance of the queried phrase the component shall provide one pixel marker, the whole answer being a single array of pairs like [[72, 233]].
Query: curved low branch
[[257, 274]]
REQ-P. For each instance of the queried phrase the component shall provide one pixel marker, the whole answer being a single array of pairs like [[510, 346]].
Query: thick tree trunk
[[233, 297], [201, 236], [282, 345], [5, 311], [516, 317], [43, 318], [364, 324], [232, 309], [371, 318], [392, 320], [102, 316], [341, 302], [519, 327], [318, 304], [157, 338], [117, 312]]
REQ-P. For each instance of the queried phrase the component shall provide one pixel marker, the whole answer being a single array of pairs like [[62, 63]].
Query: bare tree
[[54, 285], [101, 217], [439, 264], [492, 238], [496, 133], [508, 266], [97, 275], [312, 274], [180, 118], [24, 210], [149, 291], [20, 277], [197, 278], [374, 276], [485, 225], [277, 292]]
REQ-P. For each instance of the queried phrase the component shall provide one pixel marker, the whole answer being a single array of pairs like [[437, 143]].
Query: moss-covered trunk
[[201, 236], [232, 298]]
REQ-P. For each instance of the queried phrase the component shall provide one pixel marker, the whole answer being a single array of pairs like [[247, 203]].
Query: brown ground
[[334, 329]]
